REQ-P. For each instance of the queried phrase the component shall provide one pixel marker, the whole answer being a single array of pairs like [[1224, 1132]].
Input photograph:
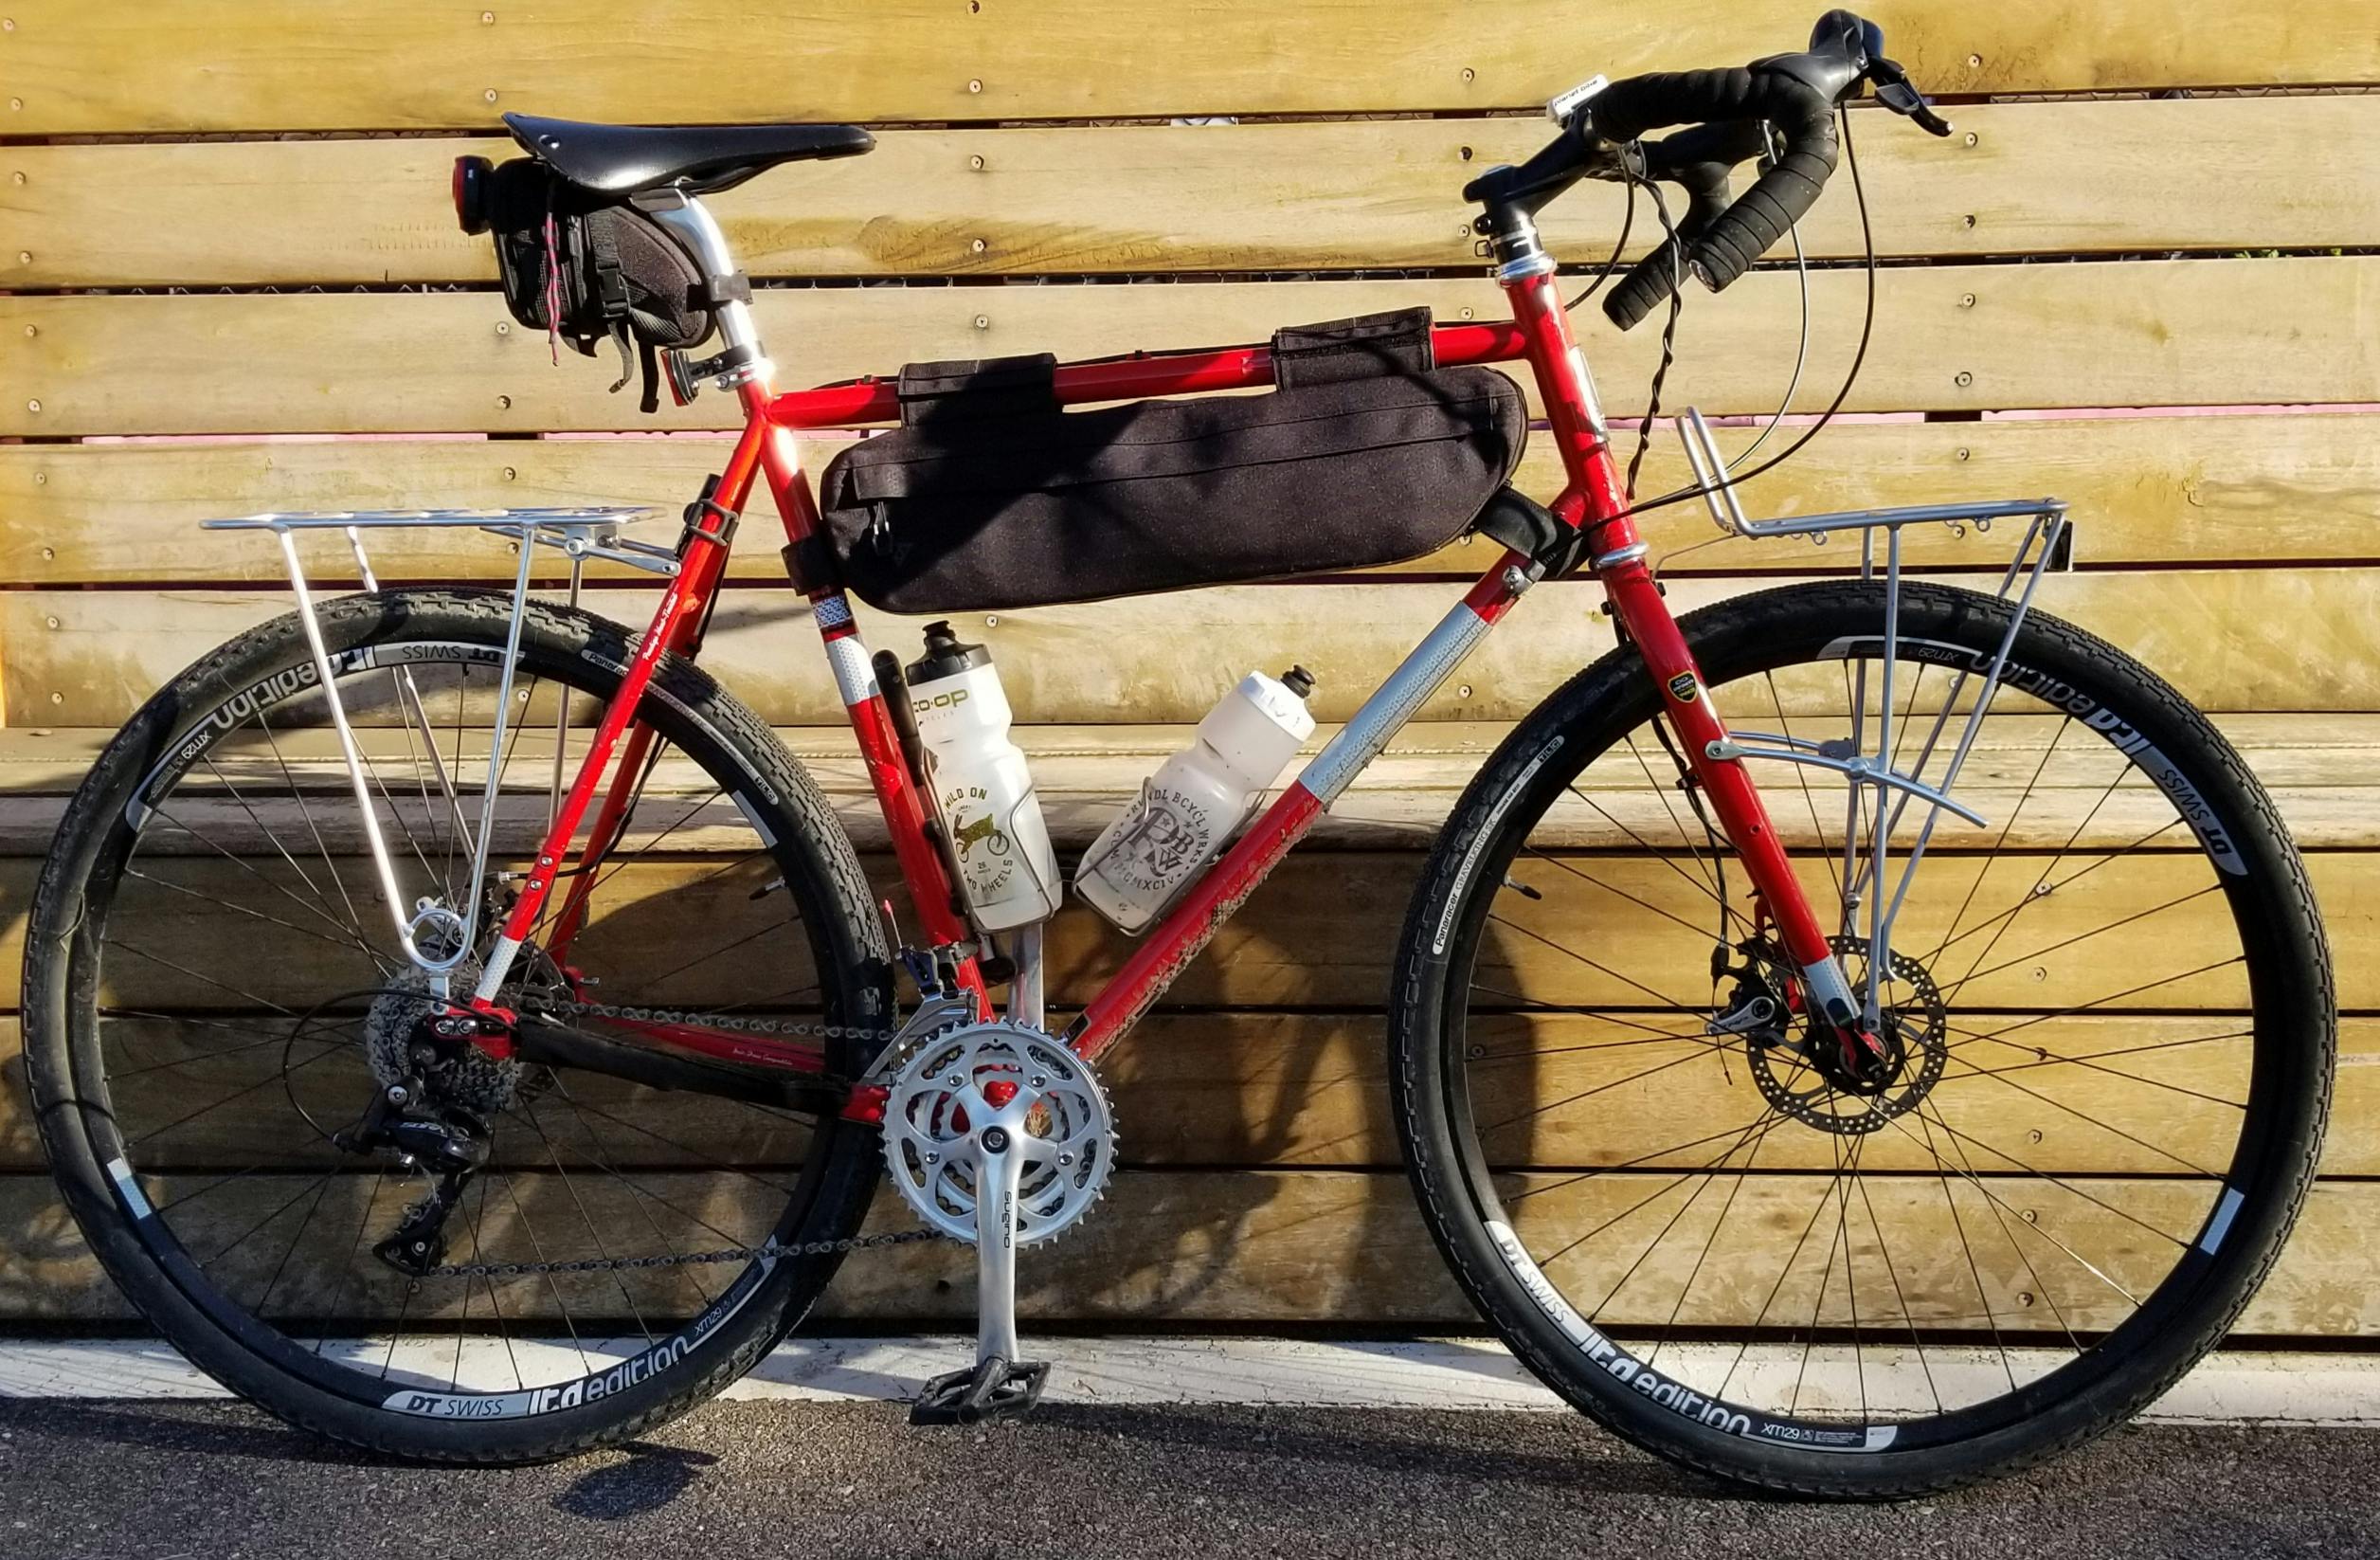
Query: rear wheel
[[215, 996], [2107, 1044]]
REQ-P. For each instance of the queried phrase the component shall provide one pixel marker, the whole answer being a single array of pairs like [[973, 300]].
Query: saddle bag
[[589, 268], [989, 496]]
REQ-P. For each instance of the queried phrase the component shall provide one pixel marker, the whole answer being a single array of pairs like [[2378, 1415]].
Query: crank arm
[[998, 1385], [1000, 1164]]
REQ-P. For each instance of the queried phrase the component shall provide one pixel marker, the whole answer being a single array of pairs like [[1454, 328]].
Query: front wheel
[[2107, 1034]]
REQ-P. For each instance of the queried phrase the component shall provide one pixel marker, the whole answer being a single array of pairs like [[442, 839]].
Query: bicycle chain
[[767, 1250]]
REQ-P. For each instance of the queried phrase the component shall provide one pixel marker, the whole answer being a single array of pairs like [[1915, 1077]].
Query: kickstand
[[998, 1385]]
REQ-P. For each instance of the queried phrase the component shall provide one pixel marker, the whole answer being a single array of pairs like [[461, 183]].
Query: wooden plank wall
[[226, 258]]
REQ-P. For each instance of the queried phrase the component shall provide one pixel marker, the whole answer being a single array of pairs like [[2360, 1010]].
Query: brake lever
[[1896, 92]]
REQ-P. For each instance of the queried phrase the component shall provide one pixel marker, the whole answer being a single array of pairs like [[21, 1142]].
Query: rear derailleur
[[447, 1142]]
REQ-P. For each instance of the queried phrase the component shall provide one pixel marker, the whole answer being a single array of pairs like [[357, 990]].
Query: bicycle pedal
[[994, 1388]]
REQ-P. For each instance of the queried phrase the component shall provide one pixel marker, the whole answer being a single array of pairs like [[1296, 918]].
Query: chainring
[[1069, 1142]]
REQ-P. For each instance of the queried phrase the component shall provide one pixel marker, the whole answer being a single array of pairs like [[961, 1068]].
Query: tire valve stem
[[1521, 888]]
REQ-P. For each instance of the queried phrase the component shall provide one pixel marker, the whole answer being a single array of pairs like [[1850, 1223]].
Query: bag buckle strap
[[707, 519]]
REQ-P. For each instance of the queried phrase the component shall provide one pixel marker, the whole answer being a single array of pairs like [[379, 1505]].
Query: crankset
[[999, 1133]]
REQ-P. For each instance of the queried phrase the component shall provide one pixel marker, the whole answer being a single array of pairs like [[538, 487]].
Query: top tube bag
[[989, 496]]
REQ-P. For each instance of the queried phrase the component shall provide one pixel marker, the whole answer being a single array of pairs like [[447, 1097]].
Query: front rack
[[437, 937], [2046, 546]]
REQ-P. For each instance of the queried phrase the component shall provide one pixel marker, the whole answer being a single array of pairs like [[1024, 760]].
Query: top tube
[[874, 398]]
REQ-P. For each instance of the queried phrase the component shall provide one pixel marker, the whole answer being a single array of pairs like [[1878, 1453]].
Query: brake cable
[[1859, 356], [1611, 262]]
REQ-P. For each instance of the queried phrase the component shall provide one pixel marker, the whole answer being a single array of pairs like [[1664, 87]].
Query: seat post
[[686, 215]]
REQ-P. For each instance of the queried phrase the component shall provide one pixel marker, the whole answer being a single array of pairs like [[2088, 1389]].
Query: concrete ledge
[[2228, 1388]]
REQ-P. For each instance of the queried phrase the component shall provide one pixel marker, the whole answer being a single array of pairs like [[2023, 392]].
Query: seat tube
[[1597, 501], [906, 810]]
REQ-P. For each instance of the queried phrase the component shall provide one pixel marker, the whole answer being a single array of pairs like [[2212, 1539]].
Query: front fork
[[1729, 788], [1597, 503]]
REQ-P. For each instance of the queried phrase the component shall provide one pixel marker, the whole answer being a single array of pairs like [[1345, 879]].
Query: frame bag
[[584, 268], [991, 496]]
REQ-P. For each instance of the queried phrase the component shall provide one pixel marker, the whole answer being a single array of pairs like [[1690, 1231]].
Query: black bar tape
[[1727, 246]]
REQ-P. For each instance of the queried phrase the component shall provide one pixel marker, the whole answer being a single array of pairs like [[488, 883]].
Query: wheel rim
[[2046, 1203], [210, 1088]]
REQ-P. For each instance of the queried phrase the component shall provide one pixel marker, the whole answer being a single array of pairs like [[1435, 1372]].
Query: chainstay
[[685, 1259], [770, 1250], [733, 1022]]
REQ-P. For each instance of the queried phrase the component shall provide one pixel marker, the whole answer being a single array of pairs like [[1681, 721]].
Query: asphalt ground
[[152, 1480]]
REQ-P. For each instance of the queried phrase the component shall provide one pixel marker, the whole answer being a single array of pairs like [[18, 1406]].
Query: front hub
[[1828, 1078]]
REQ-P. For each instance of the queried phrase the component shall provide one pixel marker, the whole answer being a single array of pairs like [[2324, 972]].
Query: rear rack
[[580, 532]]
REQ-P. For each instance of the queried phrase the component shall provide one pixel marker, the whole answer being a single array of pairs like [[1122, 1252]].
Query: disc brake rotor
[[1916, 1028], [950, 1080]]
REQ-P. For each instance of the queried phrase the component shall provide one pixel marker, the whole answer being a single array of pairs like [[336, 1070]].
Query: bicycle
[[1672, 1208]]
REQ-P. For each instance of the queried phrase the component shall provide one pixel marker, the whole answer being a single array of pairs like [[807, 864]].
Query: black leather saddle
[[619, 159]]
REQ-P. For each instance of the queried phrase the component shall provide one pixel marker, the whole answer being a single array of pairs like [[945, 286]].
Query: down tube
[[1226, 886]]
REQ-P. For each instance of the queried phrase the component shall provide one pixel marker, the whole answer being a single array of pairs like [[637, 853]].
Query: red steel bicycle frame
[[1593, 501]]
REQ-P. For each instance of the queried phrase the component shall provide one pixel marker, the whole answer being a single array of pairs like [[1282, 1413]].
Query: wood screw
[[32, 406], [983, 323], [504, 403], [490, 94], [25, 257], [1968, 221], [503, 329], [1975, 62], [1973, 137], [58, 698], [49, 554], [1964, 379], [41, 479], [1463, 692], [16, 179], [1966, 300], [976, 162], [1469, 75], [510, 474], [975, 86], [1963, 454], [52, 621], [487, 16], [979, 247]]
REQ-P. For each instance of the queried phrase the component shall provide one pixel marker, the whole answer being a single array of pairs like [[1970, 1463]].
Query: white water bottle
[[1192, 803], [982, 786]]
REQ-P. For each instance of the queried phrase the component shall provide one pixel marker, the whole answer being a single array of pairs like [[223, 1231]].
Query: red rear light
[[471, 193]]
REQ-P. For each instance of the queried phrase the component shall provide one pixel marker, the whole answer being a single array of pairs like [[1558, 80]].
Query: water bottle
[[982, 786], [1190, 806]]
